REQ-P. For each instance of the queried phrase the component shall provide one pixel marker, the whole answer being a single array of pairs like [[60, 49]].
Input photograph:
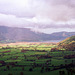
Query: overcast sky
[[46, 16]]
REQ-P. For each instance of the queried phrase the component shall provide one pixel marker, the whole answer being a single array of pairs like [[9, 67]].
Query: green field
[[32, 58]]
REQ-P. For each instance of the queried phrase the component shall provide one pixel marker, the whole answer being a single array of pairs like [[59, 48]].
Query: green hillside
[[68, 43], [67, 40]]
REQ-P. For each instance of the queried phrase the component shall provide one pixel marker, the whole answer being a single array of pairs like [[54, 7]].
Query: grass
[[28, 58]]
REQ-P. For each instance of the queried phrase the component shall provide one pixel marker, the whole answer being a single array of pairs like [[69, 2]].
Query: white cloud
[[13, 21], [38, 14]]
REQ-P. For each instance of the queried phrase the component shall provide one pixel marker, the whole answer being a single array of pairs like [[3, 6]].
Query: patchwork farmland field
[[30, 58]]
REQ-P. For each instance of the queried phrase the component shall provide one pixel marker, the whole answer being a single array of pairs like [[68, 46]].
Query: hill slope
[[68, 43], [12, 34], [68, 40], [17, 34]]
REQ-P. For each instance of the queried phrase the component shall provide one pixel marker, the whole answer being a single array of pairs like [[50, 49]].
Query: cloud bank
[[38, 15]]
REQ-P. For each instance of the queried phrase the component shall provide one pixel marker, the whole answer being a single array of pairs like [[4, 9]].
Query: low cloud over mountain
[[14, 34]]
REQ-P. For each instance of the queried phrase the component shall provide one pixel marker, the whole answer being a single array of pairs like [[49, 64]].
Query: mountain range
[[15, 34]]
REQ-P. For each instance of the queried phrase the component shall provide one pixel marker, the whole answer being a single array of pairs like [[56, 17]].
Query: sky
[[47, 16]]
